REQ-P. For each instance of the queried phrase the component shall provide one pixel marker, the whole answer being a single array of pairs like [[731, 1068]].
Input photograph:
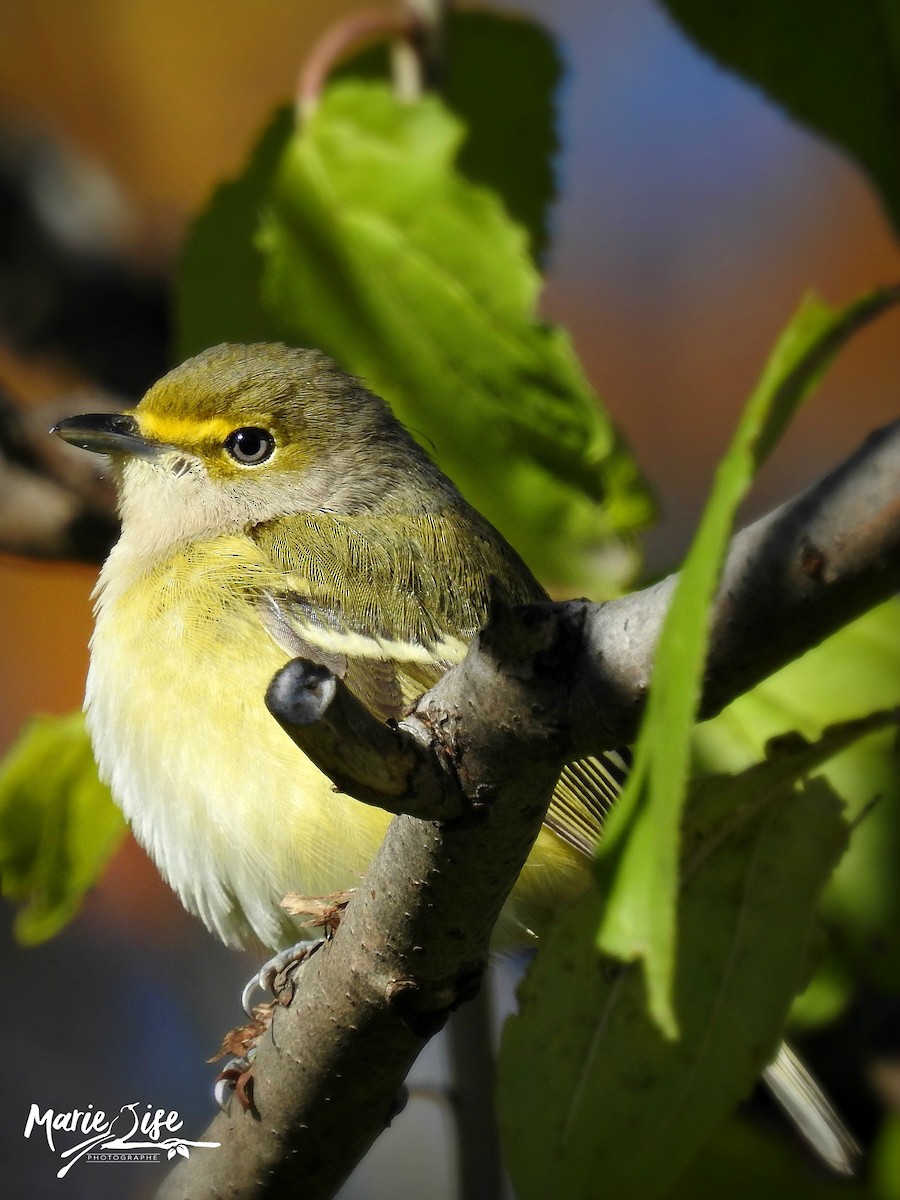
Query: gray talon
[[279, 964]]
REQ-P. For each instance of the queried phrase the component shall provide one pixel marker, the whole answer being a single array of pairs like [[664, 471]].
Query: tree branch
[[416, 34], [375, 24], [375, 763], [403, 958], [540, 685], [790, 580]]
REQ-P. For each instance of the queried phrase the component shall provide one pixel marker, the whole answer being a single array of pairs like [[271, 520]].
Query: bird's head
[[245, 434]]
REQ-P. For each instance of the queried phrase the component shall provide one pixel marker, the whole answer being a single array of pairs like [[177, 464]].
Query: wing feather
[[389, 603]]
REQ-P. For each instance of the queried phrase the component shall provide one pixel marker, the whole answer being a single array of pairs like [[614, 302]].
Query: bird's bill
[[107, 433]]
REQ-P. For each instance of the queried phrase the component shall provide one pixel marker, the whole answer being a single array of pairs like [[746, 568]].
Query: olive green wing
[[388, 604], [384, 674]]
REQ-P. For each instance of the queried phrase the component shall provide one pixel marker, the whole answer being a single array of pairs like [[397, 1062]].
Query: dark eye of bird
[[250, 446]]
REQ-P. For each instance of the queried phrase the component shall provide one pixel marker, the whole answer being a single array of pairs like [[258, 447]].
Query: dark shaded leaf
[[834, 66], [621, 1109]]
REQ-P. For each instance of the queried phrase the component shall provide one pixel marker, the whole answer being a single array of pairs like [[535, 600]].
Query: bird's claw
[[320, 912], [235, 1079], [274, 975]]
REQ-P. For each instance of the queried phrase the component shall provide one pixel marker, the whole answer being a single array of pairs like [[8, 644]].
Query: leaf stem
[[416, 32]]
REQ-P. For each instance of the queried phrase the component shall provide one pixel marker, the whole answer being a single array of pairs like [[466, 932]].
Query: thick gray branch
[[412, 945], [539, 685]]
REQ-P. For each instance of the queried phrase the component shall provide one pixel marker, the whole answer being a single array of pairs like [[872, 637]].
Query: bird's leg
[[322, 912]]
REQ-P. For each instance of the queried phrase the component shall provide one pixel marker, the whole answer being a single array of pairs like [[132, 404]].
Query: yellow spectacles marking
[[181, 431]]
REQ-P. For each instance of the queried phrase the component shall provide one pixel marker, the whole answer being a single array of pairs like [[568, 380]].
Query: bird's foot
[[235, 1078], [274, 975], [323, 912]]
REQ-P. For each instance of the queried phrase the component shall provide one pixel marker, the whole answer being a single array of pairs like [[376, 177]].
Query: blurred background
[[692, 219]]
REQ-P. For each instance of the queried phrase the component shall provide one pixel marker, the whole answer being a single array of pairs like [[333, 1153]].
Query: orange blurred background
[[692, 220]]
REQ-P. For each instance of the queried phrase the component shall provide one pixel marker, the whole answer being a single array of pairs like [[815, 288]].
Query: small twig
[[382, 765], [53, 504], [416, 33]]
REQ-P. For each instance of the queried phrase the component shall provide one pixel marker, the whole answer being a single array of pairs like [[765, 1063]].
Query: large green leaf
[[639, 855], [500, 79], [378, 250], [617, 1109], [832, 64], [58, 824]]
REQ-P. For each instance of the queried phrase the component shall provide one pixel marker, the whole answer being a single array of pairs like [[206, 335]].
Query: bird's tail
[[811, 1111]]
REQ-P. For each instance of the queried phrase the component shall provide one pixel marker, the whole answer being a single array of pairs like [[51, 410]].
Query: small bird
[[273, 508]]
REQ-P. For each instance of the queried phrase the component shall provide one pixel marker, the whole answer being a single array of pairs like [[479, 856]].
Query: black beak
[[107, 433]]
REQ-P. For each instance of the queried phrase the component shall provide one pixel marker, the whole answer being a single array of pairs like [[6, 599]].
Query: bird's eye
[[250, 446]]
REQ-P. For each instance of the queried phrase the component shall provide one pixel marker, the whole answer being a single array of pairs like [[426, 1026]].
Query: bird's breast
[[232, 812]]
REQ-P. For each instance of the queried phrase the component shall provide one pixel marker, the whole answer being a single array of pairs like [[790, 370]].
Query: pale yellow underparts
[[234, 815]]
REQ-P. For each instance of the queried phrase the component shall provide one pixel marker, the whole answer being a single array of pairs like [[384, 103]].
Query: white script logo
[[111, 1139]]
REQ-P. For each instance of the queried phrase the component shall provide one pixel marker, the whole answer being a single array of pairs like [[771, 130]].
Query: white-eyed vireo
[[273, 508]]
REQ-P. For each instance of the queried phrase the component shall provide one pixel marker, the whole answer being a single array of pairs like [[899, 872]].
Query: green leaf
[[617, 1109], [856, 669], [745, 1162], [501, 77], [831, 64], [380, 252], [538, 489], [826, 996], [885, 1160], [641, 870], [58, 824]]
